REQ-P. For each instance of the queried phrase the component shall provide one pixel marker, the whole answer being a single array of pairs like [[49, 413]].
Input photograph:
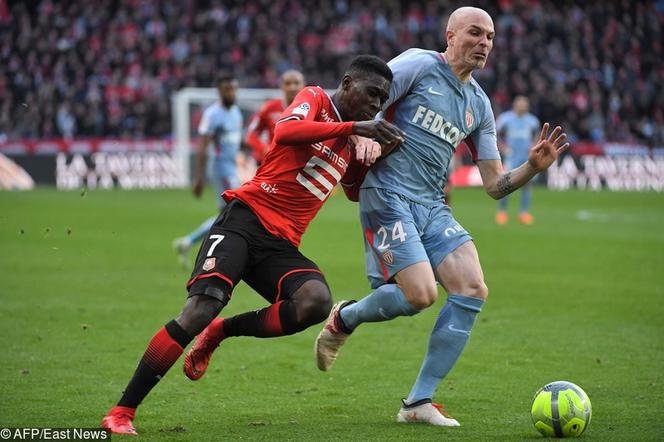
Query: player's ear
[[448, 36], [346, 82]]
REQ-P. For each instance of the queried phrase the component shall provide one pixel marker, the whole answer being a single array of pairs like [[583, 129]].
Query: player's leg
[[298, 294], [210, 288], [524, 209], [460, 273], [293, 284], [394, 253], [501, 214]]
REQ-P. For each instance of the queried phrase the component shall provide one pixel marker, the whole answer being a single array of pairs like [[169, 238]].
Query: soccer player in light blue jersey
[[518, 128], [220, 132], [412, 239]]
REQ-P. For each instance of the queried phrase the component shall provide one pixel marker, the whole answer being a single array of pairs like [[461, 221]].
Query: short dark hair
[[224, 77], [370, 64]]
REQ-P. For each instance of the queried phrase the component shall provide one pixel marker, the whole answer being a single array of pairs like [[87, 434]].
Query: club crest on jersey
[[388, 257], [302, 109], [209, 263], [469, 118]]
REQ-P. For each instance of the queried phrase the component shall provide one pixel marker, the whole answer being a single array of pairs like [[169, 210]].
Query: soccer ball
[[561, 409]]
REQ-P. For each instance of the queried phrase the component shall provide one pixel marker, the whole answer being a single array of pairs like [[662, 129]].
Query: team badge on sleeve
[[302, 109], [209, 263]]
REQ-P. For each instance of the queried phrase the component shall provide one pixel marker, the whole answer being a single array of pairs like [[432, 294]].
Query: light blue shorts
[[223, 177], [399, 232]]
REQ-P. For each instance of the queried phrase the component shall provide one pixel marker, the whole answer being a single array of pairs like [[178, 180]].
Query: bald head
[[469, 36], [468, 14]]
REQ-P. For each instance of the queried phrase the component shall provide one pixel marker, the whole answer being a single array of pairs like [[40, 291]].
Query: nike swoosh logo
[[451, 327], [382, 313], [435, 92]]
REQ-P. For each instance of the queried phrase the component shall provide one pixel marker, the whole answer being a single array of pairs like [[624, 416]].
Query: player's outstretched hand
[[547, 149], [385, 133], [367, 150]]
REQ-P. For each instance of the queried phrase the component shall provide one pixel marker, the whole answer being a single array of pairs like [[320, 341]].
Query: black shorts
[[238, 247]]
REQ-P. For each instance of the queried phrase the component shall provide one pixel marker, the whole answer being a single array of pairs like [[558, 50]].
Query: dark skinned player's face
[[364, 96], [228, 92]]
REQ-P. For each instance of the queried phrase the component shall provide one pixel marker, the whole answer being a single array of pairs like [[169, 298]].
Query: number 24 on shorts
[[398, 233]]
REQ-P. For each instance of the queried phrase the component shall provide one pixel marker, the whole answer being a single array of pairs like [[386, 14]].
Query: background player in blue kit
[[220, 131], [518, 128], [412, 239]]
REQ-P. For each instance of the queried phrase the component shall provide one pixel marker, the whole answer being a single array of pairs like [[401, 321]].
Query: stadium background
[[86, 277]]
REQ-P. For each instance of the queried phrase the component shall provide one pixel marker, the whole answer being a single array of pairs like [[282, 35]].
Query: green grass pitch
[[86, 279]]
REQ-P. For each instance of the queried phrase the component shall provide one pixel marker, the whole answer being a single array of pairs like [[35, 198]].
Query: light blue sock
[[526, 196], [447, 340], [385, 303], [202, 230], [502, 203]]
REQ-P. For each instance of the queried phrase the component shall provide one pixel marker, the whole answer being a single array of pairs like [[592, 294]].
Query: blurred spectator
[[107, 68]]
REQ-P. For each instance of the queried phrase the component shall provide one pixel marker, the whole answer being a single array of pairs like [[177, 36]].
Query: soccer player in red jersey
[[260, 131], [256, 236]]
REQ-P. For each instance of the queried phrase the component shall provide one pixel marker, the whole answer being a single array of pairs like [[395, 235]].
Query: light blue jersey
[[519, 131], [437, 112], [224, 127]]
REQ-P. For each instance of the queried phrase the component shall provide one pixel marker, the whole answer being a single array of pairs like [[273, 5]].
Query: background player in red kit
[[256, 236], [260, 130]]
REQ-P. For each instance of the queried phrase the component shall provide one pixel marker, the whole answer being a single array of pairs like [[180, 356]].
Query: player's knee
[[313, 302], [422, 296], [477, 289], [198, 312]]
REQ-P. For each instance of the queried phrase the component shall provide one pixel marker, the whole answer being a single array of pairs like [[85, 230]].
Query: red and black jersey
[[261, 124], [308, 157]]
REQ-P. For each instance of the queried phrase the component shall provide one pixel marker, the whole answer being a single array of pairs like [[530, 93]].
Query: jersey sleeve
[[482, 141], [297, 124], [406, 70], [205, 126], [352, 179]]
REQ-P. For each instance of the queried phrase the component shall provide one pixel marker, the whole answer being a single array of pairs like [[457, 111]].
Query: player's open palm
[[548, 147]]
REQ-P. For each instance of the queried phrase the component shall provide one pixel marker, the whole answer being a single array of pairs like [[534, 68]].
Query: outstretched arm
[[499, 183]]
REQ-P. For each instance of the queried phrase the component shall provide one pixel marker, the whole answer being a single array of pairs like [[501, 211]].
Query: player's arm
[[255, 130], [499, 183], [201, 161], [297, 125], [205, 132]]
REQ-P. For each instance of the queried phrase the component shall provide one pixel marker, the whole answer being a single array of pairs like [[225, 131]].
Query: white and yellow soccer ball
[[561, 409]]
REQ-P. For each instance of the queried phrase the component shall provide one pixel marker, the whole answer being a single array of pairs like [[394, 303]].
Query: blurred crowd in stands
[[108, 67]]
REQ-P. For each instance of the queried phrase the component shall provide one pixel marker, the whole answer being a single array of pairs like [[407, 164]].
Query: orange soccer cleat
[[198, 357], [119, 420], [501, 218], [526, 218]]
